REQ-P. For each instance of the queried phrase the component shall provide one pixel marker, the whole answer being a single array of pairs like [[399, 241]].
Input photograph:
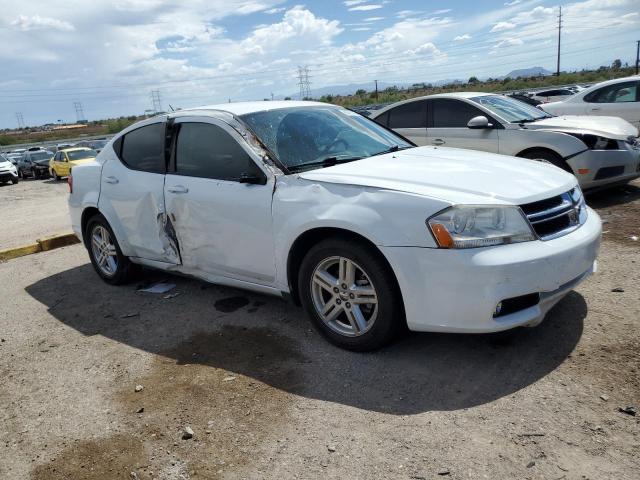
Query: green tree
[[617, 64], [361, 91], [473, 80]]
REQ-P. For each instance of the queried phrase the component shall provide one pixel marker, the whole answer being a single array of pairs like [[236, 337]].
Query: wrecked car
[[319, 204]]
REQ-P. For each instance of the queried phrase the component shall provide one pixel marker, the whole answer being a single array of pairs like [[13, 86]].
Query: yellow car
[[62, 162]]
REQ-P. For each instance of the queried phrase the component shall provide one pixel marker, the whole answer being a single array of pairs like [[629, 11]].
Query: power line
[[79, 112], [637, 55]]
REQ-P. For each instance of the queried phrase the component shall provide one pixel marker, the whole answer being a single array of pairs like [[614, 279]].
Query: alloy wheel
[[104, 250], [344, 296]]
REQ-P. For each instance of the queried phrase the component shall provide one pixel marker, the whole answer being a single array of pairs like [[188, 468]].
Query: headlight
[[471, 226], [594, 142]]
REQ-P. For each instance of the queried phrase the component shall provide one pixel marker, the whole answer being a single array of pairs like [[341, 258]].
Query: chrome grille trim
[[556, 216]]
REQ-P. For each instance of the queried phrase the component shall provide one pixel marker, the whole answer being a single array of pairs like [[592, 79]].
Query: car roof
[[242, 108], [466, 95]]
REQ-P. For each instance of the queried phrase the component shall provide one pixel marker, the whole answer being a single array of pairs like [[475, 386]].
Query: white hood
[[453, 175], [610, 127]]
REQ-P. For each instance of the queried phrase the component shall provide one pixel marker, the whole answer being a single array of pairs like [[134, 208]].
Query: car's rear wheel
[[105, 253], [548, 156], [350, 294]]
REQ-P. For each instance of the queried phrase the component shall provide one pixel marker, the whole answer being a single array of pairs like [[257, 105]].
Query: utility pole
[[376, 89], [155, 100], [637, 56], [20, 119], [559, 31], [79, 112]]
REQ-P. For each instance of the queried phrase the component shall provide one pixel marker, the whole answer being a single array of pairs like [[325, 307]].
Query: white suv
[[8, 171], [317, 203]]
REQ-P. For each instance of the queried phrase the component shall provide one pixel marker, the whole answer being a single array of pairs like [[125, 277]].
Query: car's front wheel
[[105, 253], [350, 294], [14, 180], [548, 156]]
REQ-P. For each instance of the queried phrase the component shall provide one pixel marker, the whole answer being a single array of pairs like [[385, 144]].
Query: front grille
[[556, 216]]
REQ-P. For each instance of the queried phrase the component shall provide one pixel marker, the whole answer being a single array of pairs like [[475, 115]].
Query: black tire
[[14, 180], [548, 156], [34, 174], [390, 317], [124, 269]]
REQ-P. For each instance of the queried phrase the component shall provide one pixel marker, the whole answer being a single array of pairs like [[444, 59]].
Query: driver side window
[[619, 93]]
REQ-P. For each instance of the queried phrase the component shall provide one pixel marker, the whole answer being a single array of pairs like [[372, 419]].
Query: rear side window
[[618, 93], [453, 113], [408, 115], [207, 151], [143, 148]]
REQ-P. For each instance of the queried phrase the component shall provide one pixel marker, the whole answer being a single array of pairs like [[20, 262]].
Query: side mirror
[[252, 179], [479, 122]]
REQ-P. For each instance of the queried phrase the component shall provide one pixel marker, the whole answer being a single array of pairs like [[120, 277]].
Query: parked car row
[[38, 163], [344, 216]]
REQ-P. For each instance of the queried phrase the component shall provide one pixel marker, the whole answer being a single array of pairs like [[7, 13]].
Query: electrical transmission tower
[[559, 32], [155, 99], [79, 112], [303, 82], [20, 120]]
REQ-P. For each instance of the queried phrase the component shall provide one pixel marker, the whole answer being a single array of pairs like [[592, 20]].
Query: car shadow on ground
[[271, 341], [611, 197]]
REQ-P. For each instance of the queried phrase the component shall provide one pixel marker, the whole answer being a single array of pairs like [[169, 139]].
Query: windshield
[[512, 110], [302, 136], [41, 156], [81, 154], [99, 143]]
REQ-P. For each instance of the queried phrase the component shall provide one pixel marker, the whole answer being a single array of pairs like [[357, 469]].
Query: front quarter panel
[[514, 141], [384, 217]]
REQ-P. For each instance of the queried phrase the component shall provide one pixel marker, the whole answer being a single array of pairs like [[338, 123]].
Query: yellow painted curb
[[57, 241], [41, 245]]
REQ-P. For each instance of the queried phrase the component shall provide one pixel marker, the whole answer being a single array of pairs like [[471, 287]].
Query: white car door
[[409, 120], [617, 100], [447, 126], [132, 194], [219, 201]]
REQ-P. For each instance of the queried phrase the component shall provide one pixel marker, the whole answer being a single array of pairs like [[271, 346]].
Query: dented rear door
[[132, 195], [223, 226]]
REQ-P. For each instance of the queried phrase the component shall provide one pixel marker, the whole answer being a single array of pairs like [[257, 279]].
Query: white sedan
[[614, 98], [599, 151], [319, 204]]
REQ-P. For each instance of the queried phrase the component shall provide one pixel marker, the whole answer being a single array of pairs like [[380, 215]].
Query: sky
[[111, 54]]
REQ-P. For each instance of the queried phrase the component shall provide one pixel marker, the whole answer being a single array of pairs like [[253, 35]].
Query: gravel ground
[[266, 397], [33, 209]]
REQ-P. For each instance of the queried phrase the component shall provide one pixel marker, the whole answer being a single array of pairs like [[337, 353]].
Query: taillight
[[70, 183]]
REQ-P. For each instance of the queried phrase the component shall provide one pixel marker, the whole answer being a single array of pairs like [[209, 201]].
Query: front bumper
[[8, 175], [605, 167], [458, 290]]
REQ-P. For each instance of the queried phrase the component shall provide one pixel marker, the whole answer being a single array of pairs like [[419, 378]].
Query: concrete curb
[[41, 245]]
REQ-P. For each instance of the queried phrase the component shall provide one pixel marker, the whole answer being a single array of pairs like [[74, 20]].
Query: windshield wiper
[[391, 149], [326, 162]]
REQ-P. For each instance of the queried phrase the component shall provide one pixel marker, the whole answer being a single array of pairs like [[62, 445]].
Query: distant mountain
[[529, 72]]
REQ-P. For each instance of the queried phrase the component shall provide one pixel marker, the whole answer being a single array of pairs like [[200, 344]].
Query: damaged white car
[[314, 202], [599, 151]]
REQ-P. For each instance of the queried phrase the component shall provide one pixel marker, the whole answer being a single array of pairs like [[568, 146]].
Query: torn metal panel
[[168, 239]]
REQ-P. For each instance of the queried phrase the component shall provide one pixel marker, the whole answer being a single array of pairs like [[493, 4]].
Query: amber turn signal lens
[[442, 235], [583, 171]]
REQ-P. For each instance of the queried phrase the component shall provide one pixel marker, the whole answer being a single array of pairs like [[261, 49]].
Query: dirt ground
[[266, 397], [33, 209]]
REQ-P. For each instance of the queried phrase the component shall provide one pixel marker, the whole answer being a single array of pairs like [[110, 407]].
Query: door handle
[[595, 109], [111, 180], [177, 189], [438, 141]]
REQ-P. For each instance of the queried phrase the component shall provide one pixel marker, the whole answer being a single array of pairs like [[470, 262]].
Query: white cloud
[[361, 29], [461, 38], [271, 11], [512, 3], [36, 22], [501, 26], [426, 49], [509, 42], [350, 3], [440, 12], [365, 8], [373, 19]]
